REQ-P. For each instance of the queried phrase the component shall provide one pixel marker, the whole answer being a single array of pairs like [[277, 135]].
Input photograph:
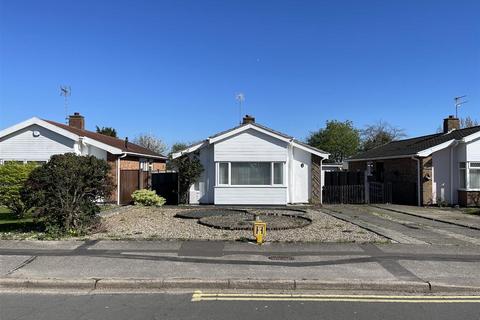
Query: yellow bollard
[[259, 231]]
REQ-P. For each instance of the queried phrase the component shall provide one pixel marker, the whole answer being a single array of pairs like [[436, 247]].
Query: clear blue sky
[[173, 67]]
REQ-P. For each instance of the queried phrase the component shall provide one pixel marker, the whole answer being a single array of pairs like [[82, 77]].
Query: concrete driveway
[[412, 225]]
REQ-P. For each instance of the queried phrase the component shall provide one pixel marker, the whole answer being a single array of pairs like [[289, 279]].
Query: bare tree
[[380, 133], [151, 142], [468, 122]]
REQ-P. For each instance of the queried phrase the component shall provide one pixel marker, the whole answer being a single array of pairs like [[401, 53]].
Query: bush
[[12, 181], [146, 197], [66, 190], [189, 170]]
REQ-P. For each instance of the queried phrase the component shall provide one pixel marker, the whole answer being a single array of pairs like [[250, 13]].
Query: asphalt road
[[181, 306]]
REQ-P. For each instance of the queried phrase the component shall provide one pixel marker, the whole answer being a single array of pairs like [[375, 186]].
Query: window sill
[[250, 186], [473, 190]]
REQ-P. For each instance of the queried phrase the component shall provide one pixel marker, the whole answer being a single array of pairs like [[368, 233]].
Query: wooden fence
[[352, 194]]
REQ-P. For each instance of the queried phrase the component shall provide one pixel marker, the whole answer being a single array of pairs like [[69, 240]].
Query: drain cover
[[281, 258]]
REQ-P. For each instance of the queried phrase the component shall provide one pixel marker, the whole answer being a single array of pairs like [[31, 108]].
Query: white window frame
[[283, 173], [272, 175], [466, 171], [217, 171]]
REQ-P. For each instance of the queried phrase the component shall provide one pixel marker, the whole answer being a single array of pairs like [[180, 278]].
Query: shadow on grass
[[10, 223]]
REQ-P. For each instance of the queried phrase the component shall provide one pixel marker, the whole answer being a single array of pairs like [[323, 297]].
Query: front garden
[[183, 223]]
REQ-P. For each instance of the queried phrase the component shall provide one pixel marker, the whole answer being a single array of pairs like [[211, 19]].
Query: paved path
[[405, 228], [179, 306], [234, 264], [449, 215]]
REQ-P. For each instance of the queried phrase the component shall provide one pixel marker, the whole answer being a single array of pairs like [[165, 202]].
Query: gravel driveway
[[160, 223]]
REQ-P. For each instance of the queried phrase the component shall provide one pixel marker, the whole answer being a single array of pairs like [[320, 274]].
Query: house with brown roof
[[438, 168], [36, 140]]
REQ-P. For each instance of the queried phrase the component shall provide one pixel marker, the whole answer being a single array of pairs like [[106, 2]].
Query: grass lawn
[[10, 223], [474, 211]]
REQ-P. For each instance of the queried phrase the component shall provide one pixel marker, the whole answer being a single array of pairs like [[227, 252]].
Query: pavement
[[156, 265], [182, 306], [426, 256]]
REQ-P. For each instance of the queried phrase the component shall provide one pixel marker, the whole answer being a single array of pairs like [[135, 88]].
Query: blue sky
[[172, 68]]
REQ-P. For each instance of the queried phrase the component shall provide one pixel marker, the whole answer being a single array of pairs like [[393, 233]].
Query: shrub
[[66, 190], [189, 170], [12, 181], [146, 197]]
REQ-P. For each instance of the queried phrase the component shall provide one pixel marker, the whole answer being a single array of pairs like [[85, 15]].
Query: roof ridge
[[105, 137]]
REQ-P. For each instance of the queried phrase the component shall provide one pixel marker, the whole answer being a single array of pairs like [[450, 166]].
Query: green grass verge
[[10, 223], [474, 211]]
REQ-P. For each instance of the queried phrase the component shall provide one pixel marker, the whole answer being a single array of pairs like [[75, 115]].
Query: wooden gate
[[344, 187], [129, 182]]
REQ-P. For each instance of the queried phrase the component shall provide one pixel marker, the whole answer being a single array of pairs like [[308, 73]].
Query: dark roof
[[412, 146], [262, 127], [111, 141]]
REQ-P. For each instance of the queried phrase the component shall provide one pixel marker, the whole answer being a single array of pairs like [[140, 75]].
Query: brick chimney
[[77, 121], [450, 123], [248, 119]]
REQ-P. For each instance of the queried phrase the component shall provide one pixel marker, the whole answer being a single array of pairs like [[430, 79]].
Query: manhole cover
[[281, 258]]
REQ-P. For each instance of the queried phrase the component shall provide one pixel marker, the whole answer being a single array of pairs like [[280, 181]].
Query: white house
[[254, 165], [442, 167], [36, 140]]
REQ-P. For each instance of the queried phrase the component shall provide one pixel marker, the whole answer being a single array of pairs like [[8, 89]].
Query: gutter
[[118, 176], [451, 170]]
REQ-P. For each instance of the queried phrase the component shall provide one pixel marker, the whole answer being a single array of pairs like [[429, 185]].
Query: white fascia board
[[244, 128], [470, 138], [144, 155], [438, 147], [381, 158], [102, 145], [313, 151], [41, 123], [193, 148]]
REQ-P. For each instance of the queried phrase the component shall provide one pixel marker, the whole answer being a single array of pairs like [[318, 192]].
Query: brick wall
[[468, 198], [129, 163], [159, 166], [426, 181], [316, 179]]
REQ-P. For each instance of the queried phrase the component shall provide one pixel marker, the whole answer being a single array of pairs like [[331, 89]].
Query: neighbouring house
[[255, 165], [441, 168], [36, 140]]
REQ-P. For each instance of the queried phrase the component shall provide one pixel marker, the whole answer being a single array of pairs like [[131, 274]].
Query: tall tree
[[178, 146], [338, 138], [107, 131], [468, 122], [151, 142], [378, 134]]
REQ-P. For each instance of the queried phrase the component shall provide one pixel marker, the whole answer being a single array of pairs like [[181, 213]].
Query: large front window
[[250, 173], [469, 175]]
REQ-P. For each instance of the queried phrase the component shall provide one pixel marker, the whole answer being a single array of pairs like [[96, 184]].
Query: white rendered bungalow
[[254, 165]]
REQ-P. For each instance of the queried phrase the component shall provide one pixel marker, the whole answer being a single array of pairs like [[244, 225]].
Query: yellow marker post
[[259, 231]]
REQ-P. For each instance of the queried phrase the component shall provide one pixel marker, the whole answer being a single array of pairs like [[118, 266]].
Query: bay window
[[469, 175], [250, 173]]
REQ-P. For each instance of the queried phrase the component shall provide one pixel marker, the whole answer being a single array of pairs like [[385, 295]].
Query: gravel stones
[[202, 213], [161, 224]]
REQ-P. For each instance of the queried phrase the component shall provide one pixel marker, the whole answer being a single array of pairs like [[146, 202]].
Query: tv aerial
[[240, 97], [458, 102], [66, 91]]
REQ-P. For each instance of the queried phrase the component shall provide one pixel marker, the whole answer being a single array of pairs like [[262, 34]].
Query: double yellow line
[[200, 296]]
